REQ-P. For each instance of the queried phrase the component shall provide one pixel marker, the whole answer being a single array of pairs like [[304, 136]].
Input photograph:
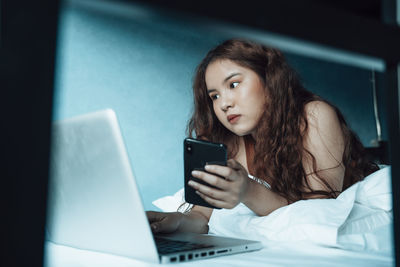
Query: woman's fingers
[[223, 171], [154, 216], [162, 222], [156, 220], [215, 202], [209, 191], [227, 193], [210, 179], [229, 171]]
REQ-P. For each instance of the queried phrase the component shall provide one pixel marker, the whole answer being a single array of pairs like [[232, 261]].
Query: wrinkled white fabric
[[171, 203], [360, 218]]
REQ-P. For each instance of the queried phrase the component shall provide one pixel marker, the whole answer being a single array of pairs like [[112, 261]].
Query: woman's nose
[[226, 102]]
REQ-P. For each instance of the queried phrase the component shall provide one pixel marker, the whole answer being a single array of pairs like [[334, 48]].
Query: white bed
[[353, 230], [275, 254]]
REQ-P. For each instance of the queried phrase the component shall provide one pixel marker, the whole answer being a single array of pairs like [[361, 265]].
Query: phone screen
[[196, 154]]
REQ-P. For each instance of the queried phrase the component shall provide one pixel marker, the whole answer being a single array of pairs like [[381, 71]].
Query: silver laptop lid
[[94, 201]]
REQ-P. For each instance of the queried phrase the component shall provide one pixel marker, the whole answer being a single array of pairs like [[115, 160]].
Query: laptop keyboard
[[167, 246]]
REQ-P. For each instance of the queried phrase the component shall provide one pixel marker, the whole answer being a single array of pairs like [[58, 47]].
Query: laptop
[[94, 202]]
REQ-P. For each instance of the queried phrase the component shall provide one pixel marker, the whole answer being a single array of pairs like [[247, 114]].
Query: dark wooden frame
[[27, 59]]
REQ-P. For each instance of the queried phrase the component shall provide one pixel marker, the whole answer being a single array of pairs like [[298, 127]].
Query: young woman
[[293, 144]]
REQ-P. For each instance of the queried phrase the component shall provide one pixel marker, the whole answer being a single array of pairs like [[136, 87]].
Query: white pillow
[[172, 203]]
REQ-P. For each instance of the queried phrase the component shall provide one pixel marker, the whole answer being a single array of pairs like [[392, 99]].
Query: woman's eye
[[214, 97], [234, 84]]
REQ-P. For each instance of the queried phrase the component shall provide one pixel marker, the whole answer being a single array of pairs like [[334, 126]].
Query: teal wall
[[141, 65]]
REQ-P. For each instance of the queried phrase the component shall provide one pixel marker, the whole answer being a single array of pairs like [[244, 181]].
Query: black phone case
[[196, 154]]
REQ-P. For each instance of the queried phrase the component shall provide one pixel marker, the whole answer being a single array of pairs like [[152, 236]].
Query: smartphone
[[195, 156]]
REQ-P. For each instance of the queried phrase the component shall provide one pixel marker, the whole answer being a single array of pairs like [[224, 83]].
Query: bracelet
[[258, 180]]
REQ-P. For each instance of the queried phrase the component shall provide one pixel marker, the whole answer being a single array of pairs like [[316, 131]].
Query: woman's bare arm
[[261, 200], [325, 140], [196, 220]]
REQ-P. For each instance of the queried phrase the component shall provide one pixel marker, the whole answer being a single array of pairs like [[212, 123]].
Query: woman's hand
[[164, 222], [230, 191]]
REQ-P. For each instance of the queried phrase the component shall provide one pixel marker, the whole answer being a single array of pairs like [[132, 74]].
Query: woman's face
[[238, 95]]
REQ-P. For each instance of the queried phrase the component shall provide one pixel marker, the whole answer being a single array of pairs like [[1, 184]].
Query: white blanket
[[359, 219]]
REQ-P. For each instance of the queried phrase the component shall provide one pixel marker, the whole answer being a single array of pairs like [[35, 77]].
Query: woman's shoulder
[[319, 106], [318, 112], [323, 122]]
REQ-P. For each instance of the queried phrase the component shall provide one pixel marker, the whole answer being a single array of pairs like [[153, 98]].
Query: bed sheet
[[274, 254]]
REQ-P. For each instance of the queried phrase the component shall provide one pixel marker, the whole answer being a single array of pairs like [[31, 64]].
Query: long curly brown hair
[[279, 135]]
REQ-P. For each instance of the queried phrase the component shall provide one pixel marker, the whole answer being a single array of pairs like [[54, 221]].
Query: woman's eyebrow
[[225, 80], [230, 76]]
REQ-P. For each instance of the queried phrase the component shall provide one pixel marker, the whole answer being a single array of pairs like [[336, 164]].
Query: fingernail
[[194, 173], [191, 182], [207, 167]]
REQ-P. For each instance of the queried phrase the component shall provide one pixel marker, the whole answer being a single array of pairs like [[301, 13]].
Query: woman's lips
[[233, 118]]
